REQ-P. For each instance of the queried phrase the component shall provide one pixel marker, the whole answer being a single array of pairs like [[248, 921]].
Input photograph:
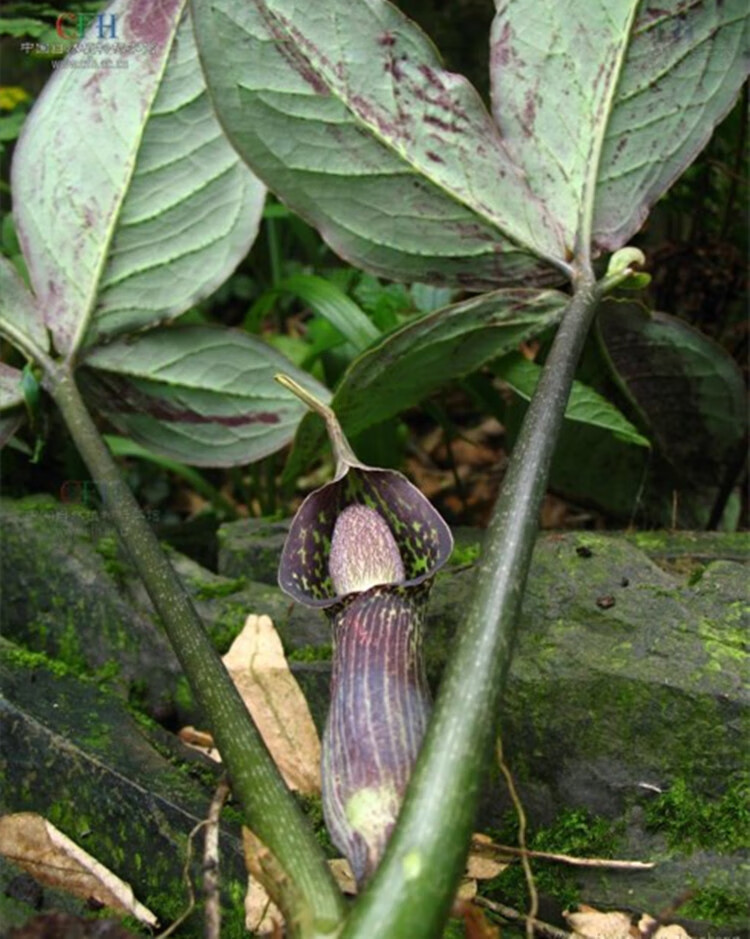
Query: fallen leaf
[[265, 878], [343, 875], [483, 862], [467, 889], [262, 916], [259, 669], [673, 931], [588, 923], [199, 740], [36, 846], [476, 925]]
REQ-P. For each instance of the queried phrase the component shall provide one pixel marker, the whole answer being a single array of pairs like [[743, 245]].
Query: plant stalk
[[315, 902], [411, 894]]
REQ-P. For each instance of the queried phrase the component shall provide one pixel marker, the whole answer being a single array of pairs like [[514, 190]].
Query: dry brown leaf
[[467, 889], [260, 671], [673, 931], [199, 740], [483, 863], [32, 843], [262, 916], [343, 875], [476, 925], [588, 923]]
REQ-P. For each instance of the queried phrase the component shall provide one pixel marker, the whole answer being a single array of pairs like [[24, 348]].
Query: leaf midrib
[[90, 304], [515, 241], [584, 235]]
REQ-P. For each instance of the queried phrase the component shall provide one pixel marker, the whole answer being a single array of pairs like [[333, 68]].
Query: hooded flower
[[365, 548]]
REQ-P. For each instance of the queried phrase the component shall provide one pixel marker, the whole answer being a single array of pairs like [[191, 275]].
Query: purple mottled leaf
[[202, 395], [130, 204], [605, 103], [344, 109]]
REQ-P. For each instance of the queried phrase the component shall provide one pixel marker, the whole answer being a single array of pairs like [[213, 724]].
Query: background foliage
[[293, 293]]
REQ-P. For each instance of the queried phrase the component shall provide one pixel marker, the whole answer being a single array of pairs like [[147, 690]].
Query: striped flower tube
[[365, 548]]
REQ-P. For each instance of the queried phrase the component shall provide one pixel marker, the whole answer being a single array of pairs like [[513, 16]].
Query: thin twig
[[211, 862], [528, 873], [537, 926], [188, 883], [494, 850]]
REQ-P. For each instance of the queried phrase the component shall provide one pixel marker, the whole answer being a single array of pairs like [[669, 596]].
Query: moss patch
[[322, 653], [717, 903], [573, 832], [209, 591], [464, 554], [690, 821], [17, 656]]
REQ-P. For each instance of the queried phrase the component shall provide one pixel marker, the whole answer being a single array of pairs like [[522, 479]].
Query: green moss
[[464, 554], [322, 653], [227, 627], [573, 832], [690, 821], [69, 647], [717, 903], [108, 547], [209, 591], [183, 695], [23, 658]]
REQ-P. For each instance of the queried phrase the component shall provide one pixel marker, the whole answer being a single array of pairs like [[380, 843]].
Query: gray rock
[[73, 753], [629, 680]]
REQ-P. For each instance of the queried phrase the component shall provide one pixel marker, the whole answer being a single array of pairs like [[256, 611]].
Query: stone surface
[[72, 752], [69, 590], [630, 677]]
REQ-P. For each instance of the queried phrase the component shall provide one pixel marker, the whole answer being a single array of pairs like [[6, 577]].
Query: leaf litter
[[32, 843]]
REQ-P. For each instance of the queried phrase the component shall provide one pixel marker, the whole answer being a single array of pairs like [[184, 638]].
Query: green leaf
[[414, 361], [130, 204], [22, 26], [20, 318], [332, 303], [344, 110], [594, 468], [585, 406], [689, 391], [123, 447], [200, 395], [605, 103], [10, 126]]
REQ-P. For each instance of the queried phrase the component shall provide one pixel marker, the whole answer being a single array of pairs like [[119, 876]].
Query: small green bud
[[625, 258]]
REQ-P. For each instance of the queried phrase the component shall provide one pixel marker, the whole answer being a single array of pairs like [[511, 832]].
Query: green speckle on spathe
[[372, 809], [412, 865]]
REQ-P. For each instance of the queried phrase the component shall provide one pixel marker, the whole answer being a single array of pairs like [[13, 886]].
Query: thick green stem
[[315, 902], [413, 889]]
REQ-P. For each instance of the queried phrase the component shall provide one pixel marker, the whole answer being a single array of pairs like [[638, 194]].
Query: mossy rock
[[74, 754], [629, 679], [69, 590]]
